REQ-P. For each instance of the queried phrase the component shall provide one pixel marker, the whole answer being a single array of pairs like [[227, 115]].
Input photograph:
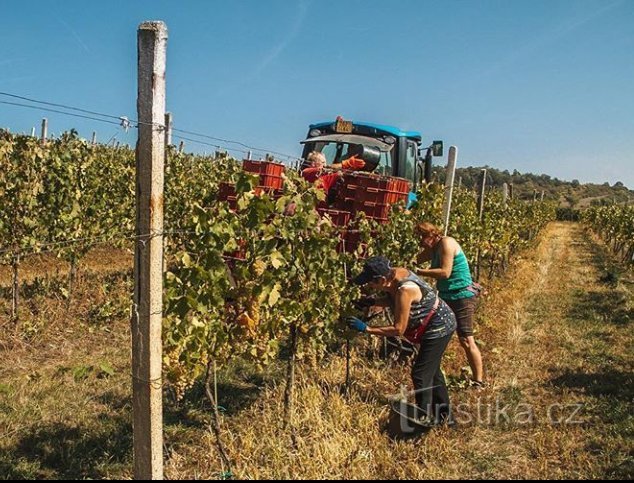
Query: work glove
[[357, 324], [364, 303]]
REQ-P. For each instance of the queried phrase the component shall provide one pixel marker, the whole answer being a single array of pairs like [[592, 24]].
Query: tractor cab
[[385, 150]]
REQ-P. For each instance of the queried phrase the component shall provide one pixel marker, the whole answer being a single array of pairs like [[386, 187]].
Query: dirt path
[[563, 366]]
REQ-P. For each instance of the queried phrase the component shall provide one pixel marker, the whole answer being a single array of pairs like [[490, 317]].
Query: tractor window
[[336, 152], [411, 157], [385, 164]]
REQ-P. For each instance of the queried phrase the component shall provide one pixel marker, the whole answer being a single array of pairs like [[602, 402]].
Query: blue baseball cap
[[374, 267]]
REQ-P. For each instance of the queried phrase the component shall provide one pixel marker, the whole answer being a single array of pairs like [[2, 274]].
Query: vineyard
[[286, 272], [615, 224], [251, 284]]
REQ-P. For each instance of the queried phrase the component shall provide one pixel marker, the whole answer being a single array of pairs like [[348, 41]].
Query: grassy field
[[557, 344]]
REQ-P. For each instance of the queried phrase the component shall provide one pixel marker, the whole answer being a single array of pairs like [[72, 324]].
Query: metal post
[[449, 184], [44, 130], [148, 264], [482, 194], [168, 128]]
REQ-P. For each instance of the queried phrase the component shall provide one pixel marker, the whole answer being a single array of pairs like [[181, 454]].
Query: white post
[[148, 263], [44, 130], [168, 128], [94, 138], [543, 195], [249, 155], [482, 194], [33, 132], [449, 184], [181, 147], [511, 191], [505, 193]]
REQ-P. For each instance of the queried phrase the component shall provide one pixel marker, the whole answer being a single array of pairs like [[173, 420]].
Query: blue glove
[[357, 324]]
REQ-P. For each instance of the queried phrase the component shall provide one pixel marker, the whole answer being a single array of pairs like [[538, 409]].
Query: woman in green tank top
[[450, 267]]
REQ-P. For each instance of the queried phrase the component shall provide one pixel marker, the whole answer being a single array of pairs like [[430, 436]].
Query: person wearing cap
[[422, 318], [450, 267]]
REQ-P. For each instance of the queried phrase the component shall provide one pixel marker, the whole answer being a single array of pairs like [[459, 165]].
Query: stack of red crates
[[338, 217], [371, 194], [271, 181], [270, 173]]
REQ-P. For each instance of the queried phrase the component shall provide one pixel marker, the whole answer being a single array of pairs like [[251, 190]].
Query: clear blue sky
[[540, 86]]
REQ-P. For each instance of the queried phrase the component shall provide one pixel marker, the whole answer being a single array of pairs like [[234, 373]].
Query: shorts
[[465, 315]]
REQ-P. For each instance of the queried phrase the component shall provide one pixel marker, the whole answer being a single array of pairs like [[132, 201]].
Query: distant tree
[[575, 183]]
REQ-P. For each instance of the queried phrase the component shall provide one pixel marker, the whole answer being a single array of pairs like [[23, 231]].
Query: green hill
[[570, 194]]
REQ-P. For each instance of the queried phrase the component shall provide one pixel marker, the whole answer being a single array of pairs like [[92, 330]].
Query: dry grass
[[552, 333]]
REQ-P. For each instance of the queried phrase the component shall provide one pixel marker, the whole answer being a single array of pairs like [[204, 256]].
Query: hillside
[[571, 194]]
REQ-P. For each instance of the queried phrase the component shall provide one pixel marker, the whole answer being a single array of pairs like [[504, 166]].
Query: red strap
[[415, 335]]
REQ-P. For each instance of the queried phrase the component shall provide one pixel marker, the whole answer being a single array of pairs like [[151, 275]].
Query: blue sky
[[538, 86]]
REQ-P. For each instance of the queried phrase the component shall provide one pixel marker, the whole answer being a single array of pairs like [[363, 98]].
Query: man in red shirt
[[315, 175]]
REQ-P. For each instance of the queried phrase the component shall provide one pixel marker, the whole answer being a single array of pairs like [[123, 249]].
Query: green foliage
[[615, 224], [237, 280]]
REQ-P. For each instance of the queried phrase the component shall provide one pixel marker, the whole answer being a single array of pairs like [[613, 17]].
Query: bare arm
[[402, 308], [448, 248]]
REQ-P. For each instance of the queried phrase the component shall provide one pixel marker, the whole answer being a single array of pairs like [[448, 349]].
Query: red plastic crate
[[225, 191], [268, 168], [269, 181], [380, 196], [338, 217], [350, 242], [377, 211], [344, 204]]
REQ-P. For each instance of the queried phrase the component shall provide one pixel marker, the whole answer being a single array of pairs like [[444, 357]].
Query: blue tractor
[[386, 150]]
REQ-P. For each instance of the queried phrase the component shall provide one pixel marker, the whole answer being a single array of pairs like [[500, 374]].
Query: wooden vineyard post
[[449, 184], [481, 219], [147, 315]]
